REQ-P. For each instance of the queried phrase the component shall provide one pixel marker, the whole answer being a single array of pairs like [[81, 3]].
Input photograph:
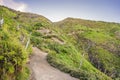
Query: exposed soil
[[57, 40], [44, 31]]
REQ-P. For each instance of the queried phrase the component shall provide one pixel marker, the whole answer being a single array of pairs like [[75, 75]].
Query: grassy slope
[[98, 41], [13, 55]]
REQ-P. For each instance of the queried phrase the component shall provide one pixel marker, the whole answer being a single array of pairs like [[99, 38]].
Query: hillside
[[15, 47], [88, 50], [98, 42]]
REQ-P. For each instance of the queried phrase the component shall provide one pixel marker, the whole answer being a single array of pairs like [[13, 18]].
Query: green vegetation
[[88, 50], [14, 35], [13, 56], [69, 60], [97, 45]]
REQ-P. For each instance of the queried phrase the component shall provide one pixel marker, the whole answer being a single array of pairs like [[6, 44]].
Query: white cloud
[[14, 5]]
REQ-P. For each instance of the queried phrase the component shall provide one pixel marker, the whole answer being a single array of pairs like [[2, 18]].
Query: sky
[[56, 10]]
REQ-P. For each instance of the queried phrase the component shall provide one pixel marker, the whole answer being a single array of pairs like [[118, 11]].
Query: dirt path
[[41, 70]]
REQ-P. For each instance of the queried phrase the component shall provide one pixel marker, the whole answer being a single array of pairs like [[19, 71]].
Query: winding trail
[[41, 70]]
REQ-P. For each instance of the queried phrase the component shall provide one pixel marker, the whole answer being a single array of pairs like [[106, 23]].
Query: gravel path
[[41, 70]]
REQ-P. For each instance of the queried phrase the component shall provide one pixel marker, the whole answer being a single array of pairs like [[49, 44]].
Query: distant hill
[[88, 50]]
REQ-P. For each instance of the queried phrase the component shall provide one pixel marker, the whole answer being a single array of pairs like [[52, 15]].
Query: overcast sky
[[55, 10]]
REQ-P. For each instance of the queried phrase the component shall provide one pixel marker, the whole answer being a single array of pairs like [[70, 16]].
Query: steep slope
[[97, 42], [13, 54], [68, 57], [15, 47], [88, 50]]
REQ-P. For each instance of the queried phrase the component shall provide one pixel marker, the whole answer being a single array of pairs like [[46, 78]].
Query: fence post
[[28, 42]]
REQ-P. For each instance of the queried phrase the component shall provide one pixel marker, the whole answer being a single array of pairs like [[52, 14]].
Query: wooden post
[[1, 21], [22, 38], [81, 61], [28, 42], [18, 27]]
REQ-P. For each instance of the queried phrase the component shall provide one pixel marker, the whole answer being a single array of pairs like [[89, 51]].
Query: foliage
[[90, 50], [13, 56]]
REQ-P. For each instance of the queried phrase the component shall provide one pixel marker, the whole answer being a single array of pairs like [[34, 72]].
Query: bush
[[12, 58]]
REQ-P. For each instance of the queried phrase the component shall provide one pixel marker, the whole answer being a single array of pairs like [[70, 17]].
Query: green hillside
[[14, 36], [88, 50], [94, 43]]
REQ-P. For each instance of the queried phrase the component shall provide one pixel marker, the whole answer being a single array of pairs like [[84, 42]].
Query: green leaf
[[1, 57], [11, 68]]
